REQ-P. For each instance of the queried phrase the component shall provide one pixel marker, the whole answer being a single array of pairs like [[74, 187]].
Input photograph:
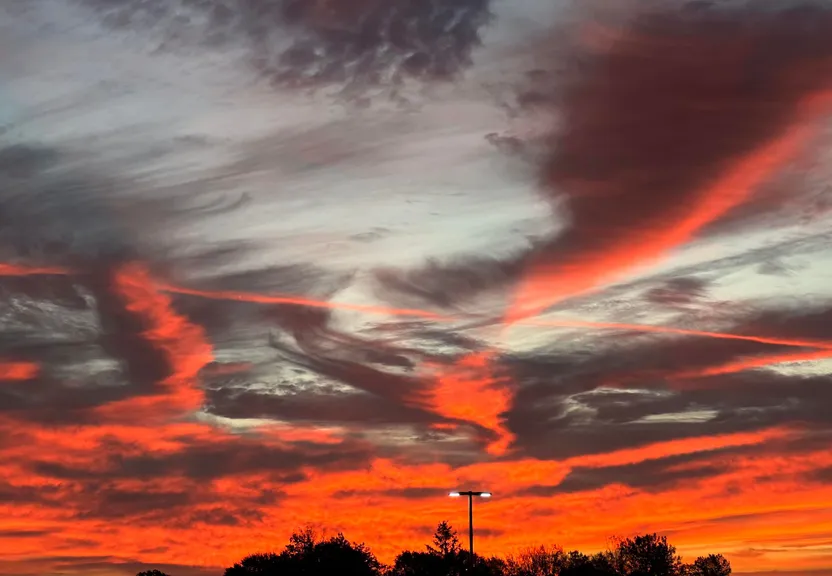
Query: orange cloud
[[469, 391], [547, 283], [183, 343], [17, 270], [18, 370], [748, 363]]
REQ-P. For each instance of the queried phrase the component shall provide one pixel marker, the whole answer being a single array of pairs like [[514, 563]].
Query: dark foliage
[[445, 557], [647, 555], [308, 555], [711, 565]]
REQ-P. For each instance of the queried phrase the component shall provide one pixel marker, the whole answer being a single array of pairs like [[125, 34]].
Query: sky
[[269, 264]]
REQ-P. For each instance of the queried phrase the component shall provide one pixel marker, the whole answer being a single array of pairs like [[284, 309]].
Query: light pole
[[470, 494]]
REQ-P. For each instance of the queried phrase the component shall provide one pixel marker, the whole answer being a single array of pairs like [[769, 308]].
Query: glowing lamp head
[[486, 494], [453, 494]]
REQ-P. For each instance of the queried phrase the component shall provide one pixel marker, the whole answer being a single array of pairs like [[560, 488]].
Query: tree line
[[306, 554]]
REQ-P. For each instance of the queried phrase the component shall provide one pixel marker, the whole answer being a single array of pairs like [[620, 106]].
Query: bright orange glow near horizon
[[363, 502]]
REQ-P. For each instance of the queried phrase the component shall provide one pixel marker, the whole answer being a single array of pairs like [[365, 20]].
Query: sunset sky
[[268, 264]]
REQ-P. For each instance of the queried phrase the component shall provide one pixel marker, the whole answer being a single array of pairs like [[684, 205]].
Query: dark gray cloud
[[95, 327], [232, 324], [651, 475], [23, 533], [176, 509], [309, 43], [369, 366], [19, 162], [448, 285], [207, 461], [604, 398], [123, 332], [310, 354], [52, 322], [62, 205], [666, 473], [319, 407], [302, 280], [638, 132], [49, 400], [50, 211], [678, 291], [645, 125], [113, 503], [11, 493], [741, 403], [58, 290], [823, 475], [412, 493]]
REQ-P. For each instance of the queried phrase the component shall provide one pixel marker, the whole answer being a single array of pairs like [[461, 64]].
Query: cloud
[[121, 504], [665, 473], [193, 345], [605, 398], [655, 141], [678, 291], [208, 461], [308, 43], [51, 211], [324, 407], [823, 475], [652, 144], [650, 475], [22, 533], [414, 493], [447, 285]]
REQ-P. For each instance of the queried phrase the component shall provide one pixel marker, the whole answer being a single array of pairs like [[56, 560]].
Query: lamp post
[[470, 494]]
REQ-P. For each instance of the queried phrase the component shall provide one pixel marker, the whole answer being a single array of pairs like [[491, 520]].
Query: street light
[[470, 494]]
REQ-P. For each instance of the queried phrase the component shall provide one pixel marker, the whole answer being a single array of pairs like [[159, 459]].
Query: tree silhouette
[[151, 573], [410, 563], [445, 541], [443, 558], [301, 542], [711, 565], [647, 555], [268, 564], [340, 556], [305, 555], [537, 561], [492, 566], [579, 564]]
